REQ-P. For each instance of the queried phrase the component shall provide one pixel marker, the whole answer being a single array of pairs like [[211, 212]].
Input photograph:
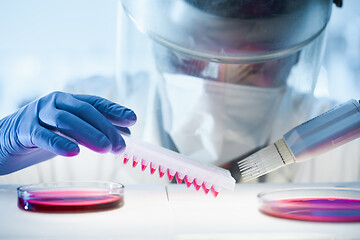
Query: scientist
[[229, 78]]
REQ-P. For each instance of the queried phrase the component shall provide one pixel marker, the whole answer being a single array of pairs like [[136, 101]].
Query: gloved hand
[[43, 129]]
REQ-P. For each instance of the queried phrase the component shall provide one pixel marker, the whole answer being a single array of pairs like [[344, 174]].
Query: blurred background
[[47, 45]]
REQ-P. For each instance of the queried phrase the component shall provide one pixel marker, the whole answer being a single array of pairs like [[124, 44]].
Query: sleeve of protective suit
[[55, 124]]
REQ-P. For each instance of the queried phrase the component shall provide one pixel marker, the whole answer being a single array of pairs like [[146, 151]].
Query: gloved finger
[[89, 114], [72, 126], [123, 130], [115, 113], [54, 143]]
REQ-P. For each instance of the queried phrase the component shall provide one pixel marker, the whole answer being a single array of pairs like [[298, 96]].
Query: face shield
[[231, 31], [226, 64]]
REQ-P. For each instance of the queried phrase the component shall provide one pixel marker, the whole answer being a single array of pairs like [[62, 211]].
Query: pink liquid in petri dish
[[70, 201], [315, 209]]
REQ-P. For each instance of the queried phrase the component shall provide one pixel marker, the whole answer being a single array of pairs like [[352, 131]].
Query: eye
[[188, 66]]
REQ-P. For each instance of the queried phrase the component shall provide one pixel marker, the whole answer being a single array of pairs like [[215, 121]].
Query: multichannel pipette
[[318, 135], [209, 177]]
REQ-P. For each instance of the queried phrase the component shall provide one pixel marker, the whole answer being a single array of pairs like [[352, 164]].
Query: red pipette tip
[[188, 180], [171, 174], [135, 161], [214, 191], [126, 158], [162, 171], [206, 188], [197, 184], [179, 177], [143, 164], [152, 168]]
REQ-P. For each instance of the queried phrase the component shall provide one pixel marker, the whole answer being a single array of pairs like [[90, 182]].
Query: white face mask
[[217, 122]]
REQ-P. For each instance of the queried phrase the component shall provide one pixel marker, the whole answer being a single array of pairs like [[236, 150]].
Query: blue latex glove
[[42, 129]]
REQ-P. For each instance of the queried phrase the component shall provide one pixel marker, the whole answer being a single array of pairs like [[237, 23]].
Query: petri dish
[[322, 204], [71, 197]]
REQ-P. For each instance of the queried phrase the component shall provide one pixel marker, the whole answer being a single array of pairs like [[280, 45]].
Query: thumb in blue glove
[[43, 129]]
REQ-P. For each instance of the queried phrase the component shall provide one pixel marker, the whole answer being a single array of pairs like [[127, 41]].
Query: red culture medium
[[70, 201], [315, 209]]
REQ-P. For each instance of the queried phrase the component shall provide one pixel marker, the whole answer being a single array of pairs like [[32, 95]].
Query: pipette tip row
[[180, 177], [177, 167]]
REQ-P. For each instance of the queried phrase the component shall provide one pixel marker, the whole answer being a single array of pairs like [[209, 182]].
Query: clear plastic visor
[[271, 73], [240, 31]]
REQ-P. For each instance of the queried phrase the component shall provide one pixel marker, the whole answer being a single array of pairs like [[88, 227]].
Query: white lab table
[[170, 212]]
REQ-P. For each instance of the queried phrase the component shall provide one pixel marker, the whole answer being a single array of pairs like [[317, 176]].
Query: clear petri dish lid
[[71, 197], [324, 204]]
